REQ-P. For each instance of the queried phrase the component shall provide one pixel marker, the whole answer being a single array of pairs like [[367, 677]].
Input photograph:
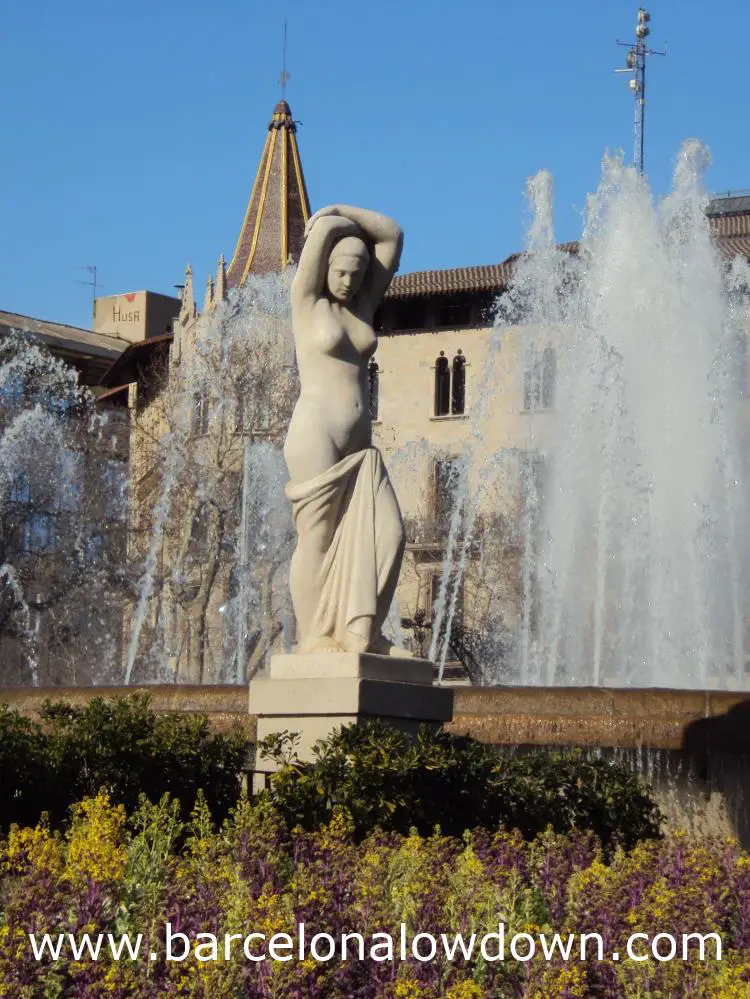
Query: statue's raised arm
[[360, 237], [350, 537]]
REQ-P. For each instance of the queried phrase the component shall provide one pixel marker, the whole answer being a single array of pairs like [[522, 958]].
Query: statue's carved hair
[[350, 246]]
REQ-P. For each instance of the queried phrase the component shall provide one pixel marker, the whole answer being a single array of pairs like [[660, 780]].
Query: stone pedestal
[[314, 694]]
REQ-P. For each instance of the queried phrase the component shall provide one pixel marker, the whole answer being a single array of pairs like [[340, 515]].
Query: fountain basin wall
[[616, 718], [692, 746]]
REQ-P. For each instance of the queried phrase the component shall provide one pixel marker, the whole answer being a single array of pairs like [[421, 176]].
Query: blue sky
[[132, 131]]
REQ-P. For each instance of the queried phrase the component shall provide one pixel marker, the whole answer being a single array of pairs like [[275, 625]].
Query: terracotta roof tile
[[731, 225], [457, 280], [734, 246], [454, 279], [113, 393]]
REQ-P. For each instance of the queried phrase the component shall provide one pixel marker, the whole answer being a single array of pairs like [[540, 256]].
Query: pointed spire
[[208, 301], [189, 310], [220, 291], [273, 230]]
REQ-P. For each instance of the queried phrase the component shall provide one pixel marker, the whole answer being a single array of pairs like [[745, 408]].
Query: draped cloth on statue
[[351, 505]]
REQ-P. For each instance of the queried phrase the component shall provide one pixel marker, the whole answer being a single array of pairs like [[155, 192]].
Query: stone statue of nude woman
[[350, 535]]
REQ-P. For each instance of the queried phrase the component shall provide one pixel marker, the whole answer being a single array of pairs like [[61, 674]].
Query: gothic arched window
[[539, 379], [442, 386], [458, 384], [450, 385], [373, 372]]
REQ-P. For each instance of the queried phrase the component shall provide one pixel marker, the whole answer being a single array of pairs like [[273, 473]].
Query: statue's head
[[347, 266]]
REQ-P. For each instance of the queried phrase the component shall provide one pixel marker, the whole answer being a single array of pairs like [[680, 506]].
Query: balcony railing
[[431, 530]]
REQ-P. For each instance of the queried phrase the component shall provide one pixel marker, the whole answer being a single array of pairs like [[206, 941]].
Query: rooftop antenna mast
[[93, 283], [284, 78], [636, 67]]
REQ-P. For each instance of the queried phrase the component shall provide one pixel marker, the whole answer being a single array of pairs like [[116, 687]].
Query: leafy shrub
[[382, 777], [120, 745], [22, 769], [377, 775]]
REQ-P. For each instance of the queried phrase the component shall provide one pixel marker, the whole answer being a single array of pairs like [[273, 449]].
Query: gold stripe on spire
[[284, 205], [300, 180], [269, 136], [261, 204]]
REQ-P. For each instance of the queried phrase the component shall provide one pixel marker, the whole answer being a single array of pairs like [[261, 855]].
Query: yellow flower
[[464, 990], [14, 943], [371, 875], [569, 981], [37, 848], [271, 914], [338, 830], [732, 982], [408, 989], [96, 847]]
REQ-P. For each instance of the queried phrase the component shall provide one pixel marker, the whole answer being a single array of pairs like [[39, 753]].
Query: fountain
[[62, 523], [214, 543], [636, 546]]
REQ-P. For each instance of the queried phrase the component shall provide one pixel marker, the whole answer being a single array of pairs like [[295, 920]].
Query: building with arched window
[[450, 385], [451, 390], [442, 385]]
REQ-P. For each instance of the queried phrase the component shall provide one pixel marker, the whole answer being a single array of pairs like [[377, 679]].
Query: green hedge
[[382, 777], [120, 745], [377, 775]]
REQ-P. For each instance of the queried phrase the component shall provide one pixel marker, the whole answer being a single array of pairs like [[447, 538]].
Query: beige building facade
[[459, 411], [135, 316]]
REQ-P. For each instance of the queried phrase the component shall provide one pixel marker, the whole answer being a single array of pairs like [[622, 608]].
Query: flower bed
[[111, 873]]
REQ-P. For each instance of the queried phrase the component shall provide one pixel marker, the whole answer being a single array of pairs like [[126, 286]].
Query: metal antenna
[[636, 66], [93, 283], [284, 78]]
